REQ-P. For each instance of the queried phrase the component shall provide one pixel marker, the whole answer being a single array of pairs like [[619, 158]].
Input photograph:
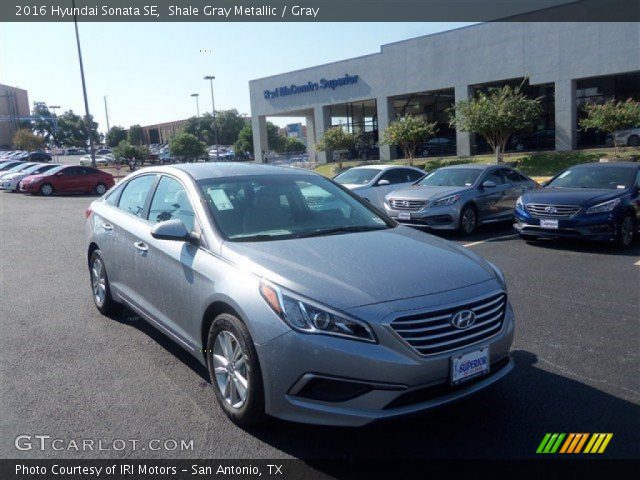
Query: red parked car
[[68, 179]]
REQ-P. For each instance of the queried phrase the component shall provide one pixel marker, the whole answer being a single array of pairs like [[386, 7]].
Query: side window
[[413, 175], [513, 176], [494, 176], [134, 195], [170, 202], [73, 171], [397, 175]]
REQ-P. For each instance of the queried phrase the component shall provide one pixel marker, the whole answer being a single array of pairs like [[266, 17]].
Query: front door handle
[[141, 246], [108, 227]]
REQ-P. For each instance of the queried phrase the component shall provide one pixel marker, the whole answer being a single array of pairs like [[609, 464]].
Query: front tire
[[100, 288], [468, 220], [46, 190], [234, 371], [626, 231]]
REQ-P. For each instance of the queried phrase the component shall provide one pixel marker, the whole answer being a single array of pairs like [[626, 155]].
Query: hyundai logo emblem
[[405, 203], [463, 319], [550, 209]]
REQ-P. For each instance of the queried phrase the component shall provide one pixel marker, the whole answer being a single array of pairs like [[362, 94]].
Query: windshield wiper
[[261, 238], [340, 230]]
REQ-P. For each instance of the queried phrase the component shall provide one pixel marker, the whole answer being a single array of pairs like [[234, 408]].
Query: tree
[[229, 124], [245, 140], [187, 147], [135, 135], [408, 132], [294, 145], [201, 128], [24, 139], [72, 130], [45, 122], [336, 138], [115, 135], [496, 115], [612, 116], [124, 152]]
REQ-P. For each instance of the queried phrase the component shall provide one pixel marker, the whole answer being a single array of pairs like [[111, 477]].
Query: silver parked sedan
[[460, 197], [303, 301]]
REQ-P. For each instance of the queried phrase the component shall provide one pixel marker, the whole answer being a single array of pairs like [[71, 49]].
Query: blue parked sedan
[[599, 201]]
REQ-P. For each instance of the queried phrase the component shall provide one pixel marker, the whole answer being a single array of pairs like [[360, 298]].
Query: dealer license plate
[[470, 365], [404, 216], [550, 224]]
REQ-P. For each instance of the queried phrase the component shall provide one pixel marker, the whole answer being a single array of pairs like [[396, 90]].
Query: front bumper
[[437, 218], [9, 185], [367, 382], [599, 227], [29, 187]]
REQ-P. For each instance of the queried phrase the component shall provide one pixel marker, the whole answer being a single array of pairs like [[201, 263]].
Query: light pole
[[196, 95], [106, 112], [84, 89], [55, 125], [211, 78]]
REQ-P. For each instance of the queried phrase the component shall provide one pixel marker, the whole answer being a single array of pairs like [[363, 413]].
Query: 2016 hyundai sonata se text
[[304, 302]]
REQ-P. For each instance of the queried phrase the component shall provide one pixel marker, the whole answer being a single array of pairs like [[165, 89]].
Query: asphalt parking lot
[[68, 372]]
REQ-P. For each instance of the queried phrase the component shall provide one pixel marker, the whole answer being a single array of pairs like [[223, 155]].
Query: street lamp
[[55, 124], [196, 95], [211, 78]]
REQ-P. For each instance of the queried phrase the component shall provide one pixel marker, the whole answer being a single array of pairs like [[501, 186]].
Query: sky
[[148, 71]]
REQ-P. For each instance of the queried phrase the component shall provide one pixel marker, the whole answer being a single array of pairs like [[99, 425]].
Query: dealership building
[[567, 65]]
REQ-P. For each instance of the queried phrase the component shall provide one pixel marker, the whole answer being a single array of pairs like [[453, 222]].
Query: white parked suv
[[373, 182]]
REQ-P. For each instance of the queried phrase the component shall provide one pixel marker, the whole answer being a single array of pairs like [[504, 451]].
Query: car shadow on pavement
[[586, 246], [486, 232], [507, 420]]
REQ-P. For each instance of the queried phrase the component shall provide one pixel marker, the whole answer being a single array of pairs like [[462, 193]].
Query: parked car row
[[48, 179], [599, 201], [35, 156]]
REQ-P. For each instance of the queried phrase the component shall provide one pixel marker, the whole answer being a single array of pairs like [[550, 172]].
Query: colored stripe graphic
[[574, 443]]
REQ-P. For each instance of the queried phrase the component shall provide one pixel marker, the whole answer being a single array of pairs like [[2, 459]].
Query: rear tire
[[100, 288], [100, 189], [234, 371], [46, 190], [626, 231], [468, 220]]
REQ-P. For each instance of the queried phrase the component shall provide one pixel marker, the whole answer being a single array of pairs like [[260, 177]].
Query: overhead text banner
[[319, 10]]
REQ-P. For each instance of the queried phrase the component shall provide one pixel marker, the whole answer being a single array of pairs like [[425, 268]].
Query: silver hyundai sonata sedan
[[303, 302], [459, 197]]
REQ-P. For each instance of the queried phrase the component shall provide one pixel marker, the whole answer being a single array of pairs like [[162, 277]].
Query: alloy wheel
[[100, 189], [47, 190], [468, 220], [230, 368], [98, 282]]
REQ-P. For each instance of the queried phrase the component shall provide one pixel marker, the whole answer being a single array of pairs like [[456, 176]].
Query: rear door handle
[[108, 227], [141, 246]]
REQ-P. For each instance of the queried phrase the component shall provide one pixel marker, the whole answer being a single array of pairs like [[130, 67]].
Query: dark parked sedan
[[39, 156], [68, 179], [599, 201]]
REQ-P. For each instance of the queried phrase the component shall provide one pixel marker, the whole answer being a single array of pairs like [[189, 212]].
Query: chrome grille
[[432, 332], [407, 205], [552, 211]]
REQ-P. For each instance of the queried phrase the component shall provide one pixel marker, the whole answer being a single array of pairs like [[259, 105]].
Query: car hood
[[419, 192], [584, 197], [356, 269]]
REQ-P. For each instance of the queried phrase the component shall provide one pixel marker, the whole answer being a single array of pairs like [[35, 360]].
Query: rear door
[[129, 226], [69, 180]]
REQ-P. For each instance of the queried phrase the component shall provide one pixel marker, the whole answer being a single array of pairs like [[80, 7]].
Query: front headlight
[[446, 201], [519, 203], [499, 275], [605, 206], [306, 316]]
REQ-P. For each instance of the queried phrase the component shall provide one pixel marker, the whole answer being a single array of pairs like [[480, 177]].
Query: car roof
[[231, 169], [382, 167], [608, 164], [477, 166]]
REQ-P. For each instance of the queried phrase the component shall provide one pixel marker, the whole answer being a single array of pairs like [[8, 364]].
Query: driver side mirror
[[172, 230], [383, 182], [488, 184]]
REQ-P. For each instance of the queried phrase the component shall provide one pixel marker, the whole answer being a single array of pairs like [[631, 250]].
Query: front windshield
[[601, 177], [34, 168], [276, 207], [19, 167], [357, 176], [451, 177]]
